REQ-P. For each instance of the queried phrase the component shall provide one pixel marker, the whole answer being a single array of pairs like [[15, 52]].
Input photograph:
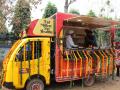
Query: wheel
[[89, 81], [35, 84]]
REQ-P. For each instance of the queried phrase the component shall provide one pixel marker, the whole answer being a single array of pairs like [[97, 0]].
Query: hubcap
[[36, 86]]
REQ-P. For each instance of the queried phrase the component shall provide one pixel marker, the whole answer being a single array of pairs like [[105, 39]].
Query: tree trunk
[[66, 6]]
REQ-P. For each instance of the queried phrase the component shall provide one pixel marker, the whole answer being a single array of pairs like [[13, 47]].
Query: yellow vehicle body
[[18, 73]]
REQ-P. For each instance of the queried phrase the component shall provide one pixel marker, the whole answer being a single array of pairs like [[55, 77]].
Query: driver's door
[[25, 61]]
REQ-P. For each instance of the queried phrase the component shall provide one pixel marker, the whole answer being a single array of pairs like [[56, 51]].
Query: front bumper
[[4, 88], [8, 86]]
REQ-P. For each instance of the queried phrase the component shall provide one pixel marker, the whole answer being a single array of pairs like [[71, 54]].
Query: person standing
[[90, 39], [69, 40]]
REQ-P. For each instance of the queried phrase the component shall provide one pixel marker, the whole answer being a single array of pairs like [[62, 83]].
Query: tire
[[89, 81], [35, 84]]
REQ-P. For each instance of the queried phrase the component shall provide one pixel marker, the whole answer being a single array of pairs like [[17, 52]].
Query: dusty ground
[[99, 85]]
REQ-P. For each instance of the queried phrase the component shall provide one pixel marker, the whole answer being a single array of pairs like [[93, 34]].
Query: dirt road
[[99, 85]]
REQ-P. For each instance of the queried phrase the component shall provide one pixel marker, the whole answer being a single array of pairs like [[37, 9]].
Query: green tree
[[67, 4], [91, 13], [74, 11], [49, 10], [21, 16], [105, 12], [107, 9], [2, 17], [117, 36], [118, 33], [3, 28]]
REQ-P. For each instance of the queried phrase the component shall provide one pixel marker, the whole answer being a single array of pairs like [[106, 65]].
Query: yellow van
[[34, 60]]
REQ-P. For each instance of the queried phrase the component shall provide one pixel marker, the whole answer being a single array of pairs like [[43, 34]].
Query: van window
[[31, 50], [37, 49], [19, 55], [28, 51]]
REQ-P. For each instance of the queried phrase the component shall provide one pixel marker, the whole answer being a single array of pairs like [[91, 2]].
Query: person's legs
[[118, 73]]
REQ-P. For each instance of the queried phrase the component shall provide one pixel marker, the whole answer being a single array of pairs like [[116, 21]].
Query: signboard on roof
[[44, 27]]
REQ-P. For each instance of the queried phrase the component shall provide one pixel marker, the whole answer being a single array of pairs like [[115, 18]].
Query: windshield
[[11, 50]]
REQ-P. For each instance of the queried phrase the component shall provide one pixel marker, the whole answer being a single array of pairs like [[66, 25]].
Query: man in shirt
[[69, 41], [90, 39]]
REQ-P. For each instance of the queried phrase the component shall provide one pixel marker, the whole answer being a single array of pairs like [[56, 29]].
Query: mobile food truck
[[34, 60]]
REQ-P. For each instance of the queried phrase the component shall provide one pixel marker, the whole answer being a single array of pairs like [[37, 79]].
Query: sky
[[83, 6]]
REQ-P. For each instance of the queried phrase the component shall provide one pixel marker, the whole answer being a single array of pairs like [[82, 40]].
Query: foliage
[[103, 39], [117, 36], [108, 2], [67, 4], [2, 18], [2, 24], [91, 13], [7, 10], [21, 16], [74, 11], [49, 10], [106, 9], [118, 33]]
